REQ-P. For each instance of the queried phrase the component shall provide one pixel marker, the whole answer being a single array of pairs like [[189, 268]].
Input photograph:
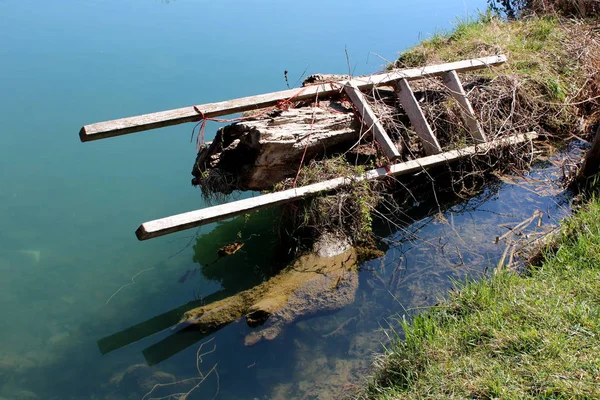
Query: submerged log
[[324, 280], [257, 154]]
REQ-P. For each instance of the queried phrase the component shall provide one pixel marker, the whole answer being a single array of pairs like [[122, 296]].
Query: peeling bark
[[257, 154]]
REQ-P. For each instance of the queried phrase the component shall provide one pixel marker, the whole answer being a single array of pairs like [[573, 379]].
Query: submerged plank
[[123, 126], [175, 223], [371, 121]]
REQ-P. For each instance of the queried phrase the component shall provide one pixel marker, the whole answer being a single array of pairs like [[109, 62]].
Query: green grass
[[529, 336], [538, 50], [511, 336]]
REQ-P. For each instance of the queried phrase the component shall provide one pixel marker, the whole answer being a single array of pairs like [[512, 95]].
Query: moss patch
[[346, 212]]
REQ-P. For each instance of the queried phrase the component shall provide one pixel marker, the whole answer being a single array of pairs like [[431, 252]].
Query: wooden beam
[[371, 121], [123, 126], [457, 91], [417, 118], [204, 216]]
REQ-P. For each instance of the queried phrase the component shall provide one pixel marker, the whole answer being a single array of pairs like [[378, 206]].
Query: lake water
[[71, 270]]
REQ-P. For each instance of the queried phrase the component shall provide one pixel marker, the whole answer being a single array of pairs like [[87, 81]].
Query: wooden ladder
[[123, 126], [353, 88]]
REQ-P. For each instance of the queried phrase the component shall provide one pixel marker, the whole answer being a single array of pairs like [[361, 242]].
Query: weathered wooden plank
[[161, 119], [204, 216], [371, 121], [417, 118], [457, 91]]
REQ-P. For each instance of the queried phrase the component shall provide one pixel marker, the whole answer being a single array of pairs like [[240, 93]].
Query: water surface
[[71, 270]]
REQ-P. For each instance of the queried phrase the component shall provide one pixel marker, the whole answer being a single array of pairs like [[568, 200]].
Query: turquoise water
[[69, 210]]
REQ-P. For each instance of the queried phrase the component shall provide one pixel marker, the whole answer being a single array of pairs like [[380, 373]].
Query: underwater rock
[[25, 395], [319, 377], [330, 245], [17, 363]]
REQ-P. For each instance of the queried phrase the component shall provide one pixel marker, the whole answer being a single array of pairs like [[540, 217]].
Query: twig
[[199, 380], [339, 328], [129, 284]]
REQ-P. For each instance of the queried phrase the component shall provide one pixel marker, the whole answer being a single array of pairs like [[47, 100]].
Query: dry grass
[[551, 83]]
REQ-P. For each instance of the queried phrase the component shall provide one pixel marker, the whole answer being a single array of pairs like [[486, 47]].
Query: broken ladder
[[397, 78]]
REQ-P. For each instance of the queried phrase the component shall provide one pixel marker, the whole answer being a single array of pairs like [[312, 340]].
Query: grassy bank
[[550, 84], [534, 335], [530, 336]]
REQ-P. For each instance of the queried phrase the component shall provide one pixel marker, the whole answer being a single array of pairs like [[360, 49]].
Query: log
[[311, 284], [123, 126], [258, 154], [204, 216]]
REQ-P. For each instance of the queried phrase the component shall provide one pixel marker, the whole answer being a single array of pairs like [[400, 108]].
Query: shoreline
[[532, 334]]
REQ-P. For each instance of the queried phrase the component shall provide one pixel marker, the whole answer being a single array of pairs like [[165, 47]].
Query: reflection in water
[[260, 257]]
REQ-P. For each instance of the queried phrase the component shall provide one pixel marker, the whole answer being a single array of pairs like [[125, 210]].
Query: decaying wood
[[257, 154], [311, 284], [370, 121], [123, 126], [591, 163], [417, 118], [457, 91], [204, 216]]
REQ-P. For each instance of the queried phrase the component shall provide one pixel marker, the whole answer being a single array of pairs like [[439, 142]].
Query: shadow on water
[[259, 258], [430, 241]]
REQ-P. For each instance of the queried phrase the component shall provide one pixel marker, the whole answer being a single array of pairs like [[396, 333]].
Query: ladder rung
[[453, 83], [417, 118], [371, 121]]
